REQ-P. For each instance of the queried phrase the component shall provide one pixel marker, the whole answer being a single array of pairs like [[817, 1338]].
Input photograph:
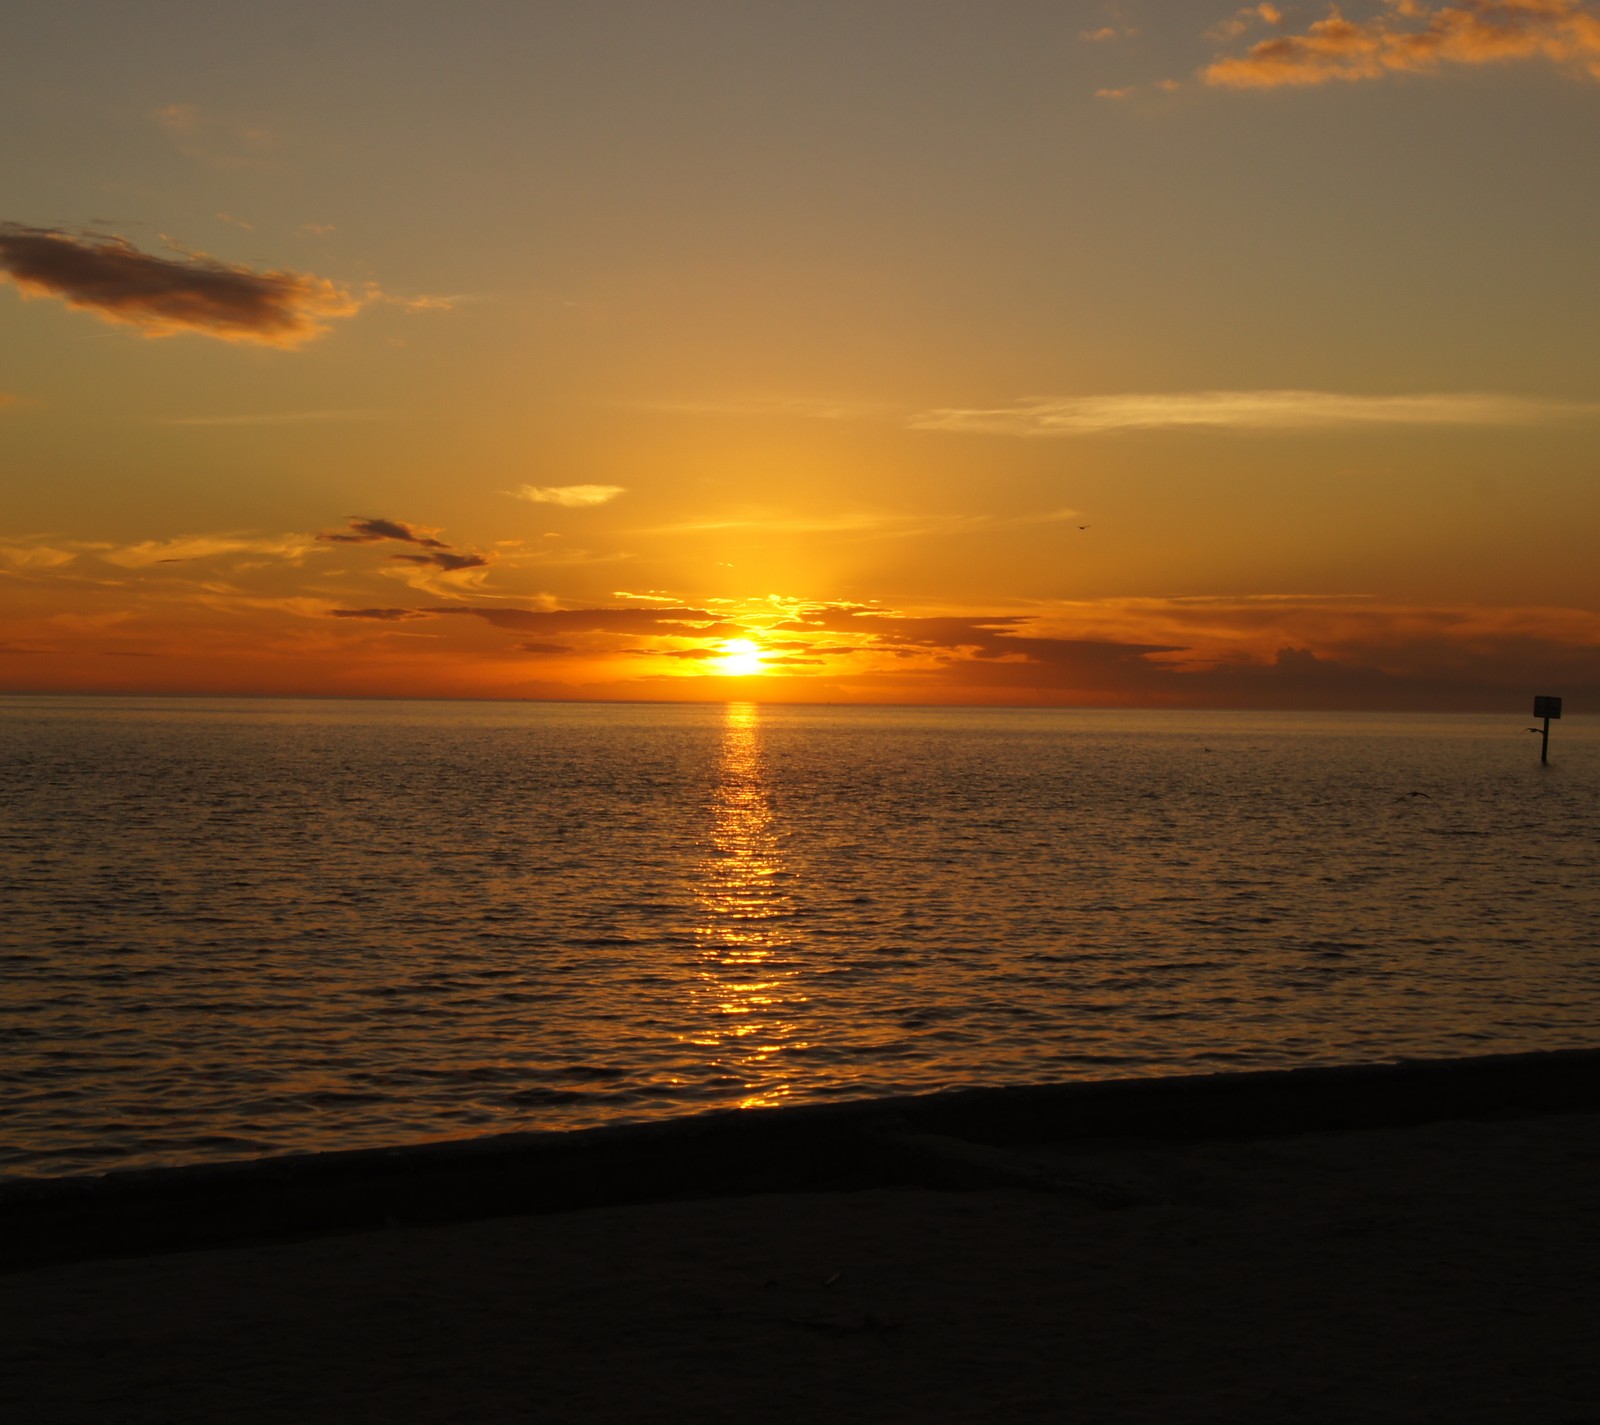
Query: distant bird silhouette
[[1083, 526], [1404, 795]]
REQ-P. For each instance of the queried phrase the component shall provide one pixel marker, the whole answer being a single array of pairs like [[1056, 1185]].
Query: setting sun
[[741, 658]]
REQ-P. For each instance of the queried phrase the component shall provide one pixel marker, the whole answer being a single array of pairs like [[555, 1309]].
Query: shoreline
[[951, 1139]]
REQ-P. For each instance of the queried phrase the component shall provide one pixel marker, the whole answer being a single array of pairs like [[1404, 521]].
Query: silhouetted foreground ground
[[1445, 1269]]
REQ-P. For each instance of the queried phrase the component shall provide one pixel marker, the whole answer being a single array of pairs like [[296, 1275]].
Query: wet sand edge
[[913, 1141]]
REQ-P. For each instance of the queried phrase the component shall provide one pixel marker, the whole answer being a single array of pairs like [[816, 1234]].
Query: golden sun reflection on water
[[747, 986]]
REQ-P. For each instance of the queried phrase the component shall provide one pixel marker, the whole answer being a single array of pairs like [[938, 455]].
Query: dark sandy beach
[[1443, 1267]]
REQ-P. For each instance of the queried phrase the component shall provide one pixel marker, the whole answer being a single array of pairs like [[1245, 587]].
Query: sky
[[1152, 353]]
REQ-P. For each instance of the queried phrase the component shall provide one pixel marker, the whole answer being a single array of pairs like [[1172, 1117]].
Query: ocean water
[[235, 928]]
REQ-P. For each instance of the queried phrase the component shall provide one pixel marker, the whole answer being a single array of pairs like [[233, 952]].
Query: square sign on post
[[1547, 707]]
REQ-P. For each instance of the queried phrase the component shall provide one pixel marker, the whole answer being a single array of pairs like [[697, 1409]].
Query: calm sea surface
[[234, 928]]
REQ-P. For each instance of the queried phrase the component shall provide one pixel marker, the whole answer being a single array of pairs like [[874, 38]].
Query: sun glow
[[741, 658]]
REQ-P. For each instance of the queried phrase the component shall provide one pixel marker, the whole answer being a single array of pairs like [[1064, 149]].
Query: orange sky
[[1106, 354]]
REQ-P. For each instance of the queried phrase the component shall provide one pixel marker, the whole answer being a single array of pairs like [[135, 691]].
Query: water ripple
[[241, 928]]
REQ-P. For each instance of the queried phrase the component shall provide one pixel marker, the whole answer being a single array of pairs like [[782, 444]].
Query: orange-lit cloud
[[1411, 36], [176, 614], [166, 296], [1297, 652], [1241, 21], [1247, 410], [572, 496]]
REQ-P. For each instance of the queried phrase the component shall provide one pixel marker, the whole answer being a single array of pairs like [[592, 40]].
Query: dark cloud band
[[362, 530], [164, 296]]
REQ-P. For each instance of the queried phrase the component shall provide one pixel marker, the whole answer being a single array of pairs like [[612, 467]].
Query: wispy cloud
[[165, 296], [278, 418], [1413, 36], [436, 303], [571, 496], [219, 141], [867, 523], [46, 554], [34, 556], [805, 407], [1248, 410], [203, 546], [380, 615]]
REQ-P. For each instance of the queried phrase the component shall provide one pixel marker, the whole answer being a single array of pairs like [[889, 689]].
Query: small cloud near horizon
[[191, 293], [569, 496]]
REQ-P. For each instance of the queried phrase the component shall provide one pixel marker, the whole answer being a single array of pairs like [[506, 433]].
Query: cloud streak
[[781, 407], [677, 622], [866, 524], [1247, 410], [203, 546], [1413, 37], [167, 296], [279, 418]]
